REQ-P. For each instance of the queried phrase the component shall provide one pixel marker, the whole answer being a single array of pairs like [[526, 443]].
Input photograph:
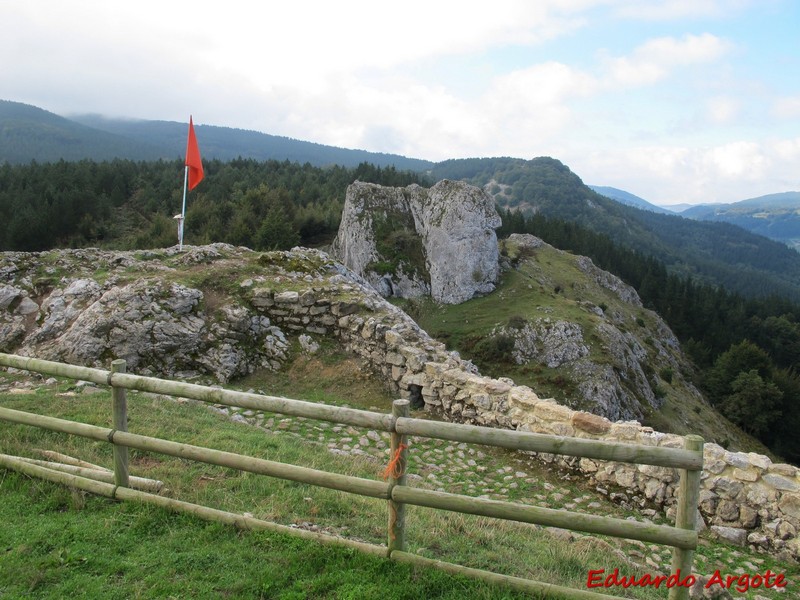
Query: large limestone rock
[[414, 241]]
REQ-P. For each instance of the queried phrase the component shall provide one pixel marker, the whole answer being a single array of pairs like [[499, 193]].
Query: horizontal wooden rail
[[503, 438], [367, 487], [140, 483], [529, 586], [335, 481], [512, 511], [553, 444], [689, 460], [276, 404], [47, 367], [120, 493]]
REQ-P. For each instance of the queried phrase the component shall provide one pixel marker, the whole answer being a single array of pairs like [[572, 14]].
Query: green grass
[[330, 377], [469, 327], [547, 283], [55, 542], [58, 543]]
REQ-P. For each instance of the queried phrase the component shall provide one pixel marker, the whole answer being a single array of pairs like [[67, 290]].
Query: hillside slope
[[628, 199], [569, 330], [717, 253], [226, 143], [29, 133]]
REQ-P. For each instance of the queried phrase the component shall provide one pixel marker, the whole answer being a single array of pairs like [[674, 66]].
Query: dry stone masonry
[[223, 311]]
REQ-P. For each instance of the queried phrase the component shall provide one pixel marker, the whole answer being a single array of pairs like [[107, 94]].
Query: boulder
[[413, 241]]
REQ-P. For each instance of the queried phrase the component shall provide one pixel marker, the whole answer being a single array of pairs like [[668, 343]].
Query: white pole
[[183, 208]]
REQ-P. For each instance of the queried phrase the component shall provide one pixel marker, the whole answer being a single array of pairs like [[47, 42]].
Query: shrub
[[517, 322], [495, 349]]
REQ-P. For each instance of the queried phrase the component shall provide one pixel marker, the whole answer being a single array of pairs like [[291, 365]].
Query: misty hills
[[28, 133], [776, 216], [629, 199]]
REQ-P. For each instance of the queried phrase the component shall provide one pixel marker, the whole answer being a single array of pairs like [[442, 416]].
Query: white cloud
[[654, 60], [536, 100], [788, 151], [669, 10], [741, 160], [674, 174], [515, 113], [787, 107], [723, 109]]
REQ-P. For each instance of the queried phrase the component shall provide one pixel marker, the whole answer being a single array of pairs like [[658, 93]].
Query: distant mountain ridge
[[776, 216], [629, 199], [28, 133]]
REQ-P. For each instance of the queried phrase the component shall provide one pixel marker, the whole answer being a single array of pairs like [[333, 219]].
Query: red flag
[[193, 160]]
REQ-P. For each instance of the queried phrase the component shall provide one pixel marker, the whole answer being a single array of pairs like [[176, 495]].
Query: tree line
[[125, 204], [746, 349]]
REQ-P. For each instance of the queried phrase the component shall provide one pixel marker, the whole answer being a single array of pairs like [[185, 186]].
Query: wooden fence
[[689, 460]]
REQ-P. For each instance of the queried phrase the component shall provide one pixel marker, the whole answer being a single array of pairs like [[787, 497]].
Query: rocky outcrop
[[611, 358], [156, 328], [215, 310], [414, 241]]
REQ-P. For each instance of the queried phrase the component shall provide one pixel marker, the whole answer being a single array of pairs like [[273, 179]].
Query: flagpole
[[183, 207], [195, 163]]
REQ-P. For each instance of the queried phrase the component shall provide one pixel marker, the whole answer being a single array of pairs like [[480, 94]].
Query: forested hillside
[[746, 350], [716, 253], [28, 133], [125, 204], [226, 143], [629, 199]]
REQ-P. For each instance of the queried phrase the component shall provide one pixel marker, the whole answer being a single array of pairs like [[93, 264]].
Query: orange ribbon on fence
[[394, 468]]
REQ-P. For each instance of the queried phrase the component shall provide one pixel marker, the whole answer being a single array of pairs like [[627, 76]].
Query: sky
[[676, 101]]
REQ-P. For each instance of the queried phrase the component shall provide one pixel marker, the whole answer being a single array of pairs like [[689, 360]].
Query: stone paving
[[498, 474]]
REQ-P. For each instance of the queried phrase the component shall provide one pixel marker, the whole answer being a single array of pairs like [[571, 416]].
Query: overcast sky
[[672, 100]]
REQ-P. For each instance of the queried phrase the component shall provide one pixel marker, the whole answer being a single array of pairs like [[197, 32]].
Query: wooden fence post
[[120, 410], [396, 472], [686, 518]]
